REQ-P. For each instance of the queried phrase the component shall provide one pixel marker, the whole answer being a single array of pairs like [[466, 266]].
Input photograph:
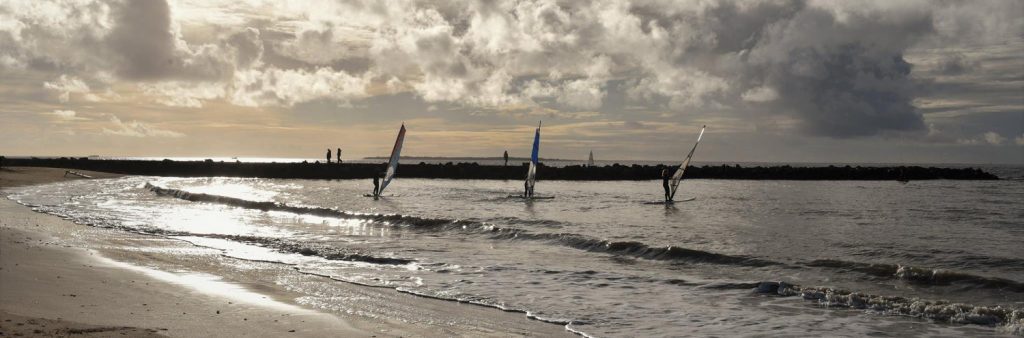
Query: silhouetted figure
[[376, 186], [328, 156], [528, 190], [664, 184], [339, 156], [506, 158]]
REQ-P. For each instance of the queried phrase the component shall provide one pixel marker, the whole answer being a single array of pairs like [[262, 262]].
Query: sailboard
[[590, 161], [531, 173], [393, 161], [678, 176], [671, 202]]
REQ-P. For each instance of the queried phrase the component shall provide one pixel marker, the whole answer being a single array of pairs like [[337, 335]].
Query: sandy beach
[[58, 278]]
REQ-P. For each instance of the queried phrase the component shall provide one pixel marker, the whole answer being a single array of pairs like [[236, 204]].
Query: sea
[[743, 258]]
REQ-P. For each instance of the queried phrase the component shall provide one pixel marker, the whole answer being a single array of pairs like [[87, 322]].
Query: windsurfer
[[664, 184], [376, 185]]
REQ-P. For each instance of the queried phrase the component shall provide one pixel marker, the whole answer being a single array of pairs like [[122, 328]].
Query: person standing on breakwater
[[376, 186], [339, 155], [664, 184], [328, 156], [506, 158]]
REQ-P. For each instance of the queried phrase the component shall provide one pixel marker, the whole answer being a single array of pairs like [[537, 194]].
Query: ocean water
[[778, 258]]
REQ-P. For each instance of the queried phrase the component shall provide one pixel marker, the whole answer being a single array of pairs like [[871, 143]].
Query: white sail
[[590, 161], [678, 176], [531, 174], [393, 162]]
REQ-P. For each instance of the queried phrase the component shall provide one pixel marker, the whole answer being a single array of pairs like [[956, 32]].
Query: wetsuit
[[376, 185], [668, 191]]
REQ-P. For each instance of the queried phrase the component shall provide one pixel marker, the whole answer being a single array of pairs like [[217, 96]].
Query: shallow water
[[600, 260]]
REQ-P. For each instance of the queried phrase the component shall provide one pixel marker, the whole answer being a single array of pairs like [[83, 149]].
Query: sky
[[774, 81]]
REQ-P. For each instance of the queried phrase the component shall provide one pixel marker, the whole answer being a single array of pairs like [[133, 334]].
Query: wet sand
[[60, 278]]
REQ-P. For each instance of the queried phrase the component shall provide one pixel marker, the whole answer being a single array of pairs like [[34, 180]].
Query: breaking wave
[[1008, 319], [921, 276]]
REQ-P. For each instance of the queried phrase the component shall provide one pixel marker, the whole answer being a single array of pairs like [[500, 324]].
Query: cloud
[[67, 115], [65, 86], [760, 94], [183, 93], [146, 46], [990, 138], [994, 138], [955, 64], [288, 87], [137, 129], [834, 69]]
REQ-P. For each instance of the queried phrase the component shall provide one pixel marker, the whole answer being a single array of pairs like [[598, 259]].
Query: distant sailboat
[[590, 161], [678, 176], [393, 162]]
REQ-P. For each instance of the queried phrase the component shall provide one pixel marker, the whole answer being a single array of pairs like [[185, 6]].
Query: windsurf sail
[[590, 161], [531, 174], [678, 176], [393, 162]]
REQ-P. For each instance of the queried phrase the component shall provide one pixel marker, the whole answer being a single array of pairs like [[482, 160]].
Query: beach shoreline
[[58, 277]]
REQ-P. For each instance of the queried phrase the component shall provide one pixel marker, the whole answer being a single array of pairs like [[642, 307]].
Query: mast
[[678, 176], [393, 161]]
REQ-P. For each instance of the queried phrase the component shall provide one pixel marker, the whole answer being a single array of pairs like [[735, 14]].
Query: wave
[[909, 274], [625, 248], [1011, 320], [311, 249], [921, 276]]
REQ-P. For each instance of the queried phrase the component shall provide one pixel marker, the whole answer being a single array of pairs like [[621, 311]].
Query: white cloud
[[137, 129], [65, 86], [274, 86], [990, 138], [183, 94], [760, 94], [994, 138], [67, 115]]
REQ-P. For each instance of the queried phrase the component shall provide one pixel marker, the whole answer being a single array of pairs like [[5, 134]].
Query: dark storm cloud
[[146, 47], [144, 41], [955, 64], [839, 77]]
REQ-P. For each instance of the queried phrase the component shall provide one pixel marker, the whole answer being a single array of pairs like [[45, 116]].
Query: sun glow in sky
[[815, 81]]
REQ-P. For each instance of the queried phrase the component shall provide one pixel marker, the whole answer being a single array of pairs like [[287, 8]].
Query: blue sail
[[536, 147], [531, 174]]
